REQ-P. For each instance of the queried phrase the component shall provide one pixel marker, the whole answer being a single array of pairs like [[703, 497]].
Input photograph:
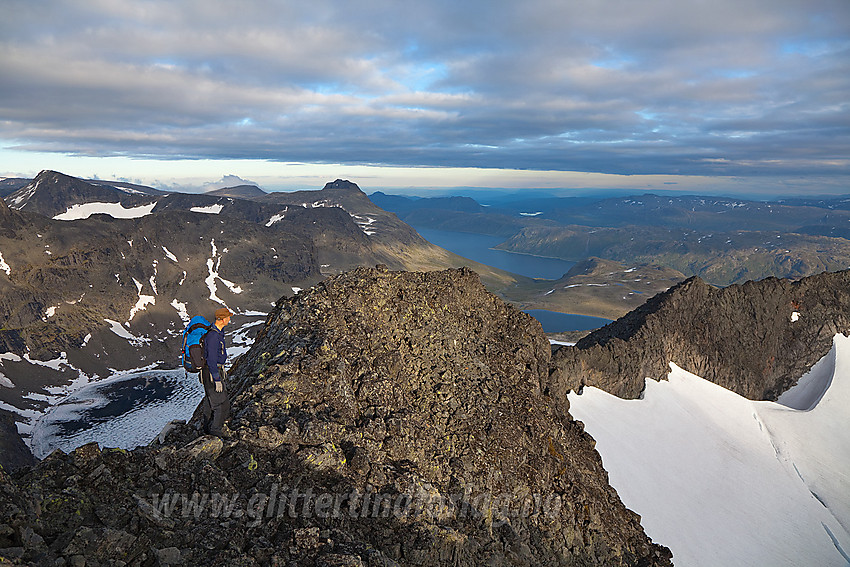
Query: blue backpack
[[193, 343]]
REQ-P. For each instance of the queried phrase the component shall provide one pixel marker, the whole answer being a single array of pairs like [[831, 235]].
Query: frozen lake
[[126, 411]]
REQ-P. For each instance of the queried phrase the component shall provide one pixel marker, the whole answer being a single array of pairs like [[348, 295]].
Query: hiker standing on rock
[[216, 403]]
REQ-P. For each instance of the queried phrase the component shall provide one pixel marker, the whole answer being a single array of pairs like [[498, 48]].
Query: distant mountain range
[[722, 240]]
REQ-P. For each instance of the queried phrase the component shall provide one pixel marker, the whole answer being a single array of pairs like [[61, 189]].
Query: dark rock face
[[14, 454], [756, 339], [9, 219], [381, 418]]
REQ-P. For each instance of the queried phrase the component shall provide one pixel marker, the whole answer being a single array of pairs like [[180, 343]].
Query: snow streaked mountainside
[[52, 193], [723, 480], [97, 278]]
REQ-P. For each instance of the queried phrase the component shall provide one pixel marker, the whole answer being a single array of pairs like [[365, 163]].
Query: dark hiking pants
[[216, 405]]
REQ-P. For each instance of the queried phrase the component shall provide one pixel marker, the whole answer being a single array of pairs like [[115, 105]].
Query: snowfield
[[209, 209], [722, 480], [99, 412], [115, 210]]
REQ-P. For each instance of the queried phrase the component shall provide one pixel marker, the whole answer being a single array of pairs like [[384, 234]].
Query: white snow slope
[[115, 210], [722, 480]]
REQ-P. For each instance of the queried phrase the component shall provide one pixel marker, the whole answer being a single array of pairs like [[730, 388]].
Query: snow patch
[[11, 356], [5, 382], [142, 303], [213, 265], [153, 278], [209, 209], [122, 332], [251, 313], [278, 217], [365, 223], [115, 210], [169, 255], [4, 266], [181, 310], [19, 201], [54, 364], [127, 190]]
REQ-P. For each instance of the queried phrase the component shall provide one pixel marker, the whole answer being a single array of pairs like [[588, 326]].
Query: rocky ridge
[[756, 339], [381, 418]]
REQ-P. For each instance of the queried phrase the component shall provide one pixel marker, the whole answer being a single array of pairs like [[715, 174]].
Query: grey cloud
[[733, 87]]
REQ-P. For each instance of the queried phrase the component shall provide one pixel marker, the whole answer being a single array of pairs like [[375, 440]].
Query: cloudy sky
[[717, 95]]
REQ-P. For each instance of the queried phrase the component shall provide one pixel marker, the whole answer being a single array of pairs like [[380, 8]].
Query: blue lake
[[478, 247]]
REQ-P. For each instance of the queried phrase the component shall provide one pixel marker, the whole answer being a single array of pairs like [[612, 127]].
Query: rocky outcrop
[[14, 454], [9, 220], [381, 418], [756, 339]]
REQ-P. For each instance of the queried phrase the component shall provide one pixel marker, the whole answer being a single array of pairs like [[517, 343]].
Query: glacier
[[723, 480]]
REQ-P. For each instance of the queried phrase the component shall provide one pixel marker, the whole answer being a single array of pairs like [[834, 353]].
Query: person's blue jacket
[[215, 351]]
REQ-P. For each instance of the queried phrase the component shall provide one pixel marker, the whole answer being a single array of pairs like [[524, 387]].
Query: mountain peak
[[342, 184], [238, 192], [52, 193]]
